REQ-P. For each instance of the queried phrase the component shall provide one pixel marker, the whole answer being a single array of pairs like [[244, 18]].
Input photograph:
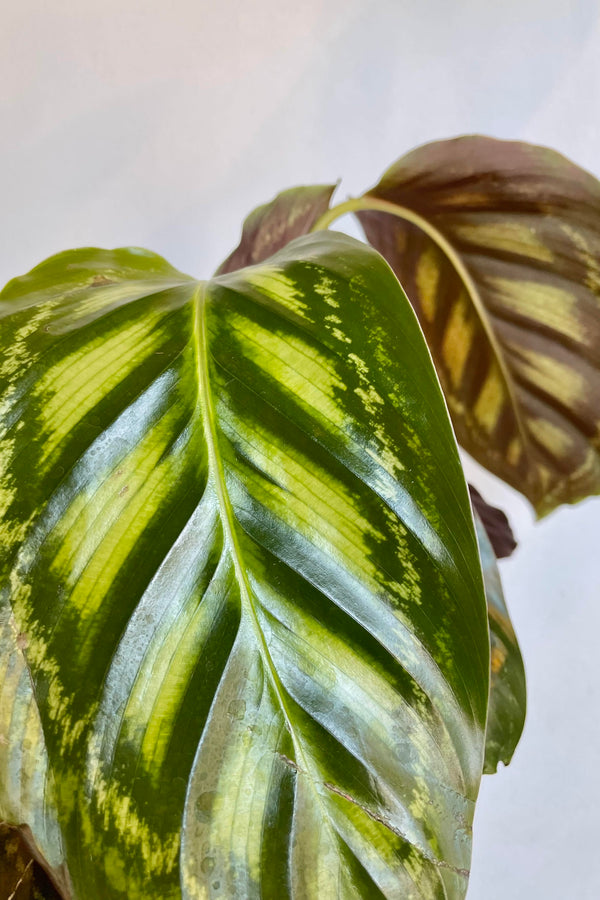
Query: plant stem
[[373, 204]]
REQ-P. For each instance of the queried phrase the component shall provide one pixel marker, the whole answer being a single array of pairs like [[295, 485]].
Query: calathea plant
[[246, 646]]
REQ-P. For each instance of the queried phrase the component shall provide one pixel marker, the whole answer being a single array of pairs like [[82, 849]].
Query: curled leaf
[[500, 257]]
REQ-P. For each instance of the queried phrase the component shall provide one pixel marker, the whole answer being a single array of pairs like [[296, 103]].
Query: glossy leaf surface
[[26, 793], [241, 561], [508, 693], [270, 227], [506, 284]]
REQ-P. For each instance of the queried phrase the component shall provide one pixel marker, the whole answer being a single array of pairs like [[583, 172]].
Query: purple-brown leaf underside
[[270, 227], [516, 345], [495, 523]]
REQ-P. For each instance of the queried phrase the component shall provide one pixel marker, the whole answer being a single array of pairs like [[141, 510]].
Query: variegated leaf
[[241, 560], [270, 227], [26, 793], [501, 259], [508, 693]]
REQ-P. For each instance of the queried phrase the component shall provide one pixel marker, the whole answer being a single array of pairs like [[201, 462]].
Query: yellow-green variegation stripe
[[240, 551], [500, 257]]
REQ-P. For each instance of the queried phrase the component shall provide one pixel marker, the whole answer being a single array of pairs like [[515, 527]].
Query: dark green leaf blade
[[248, 577], [512, 315], [270, 227], [508, 693]]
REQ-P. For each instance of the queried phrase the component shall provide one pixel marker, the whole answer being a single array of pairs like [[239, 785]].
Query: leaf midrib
[[232, 544], [216, 469]]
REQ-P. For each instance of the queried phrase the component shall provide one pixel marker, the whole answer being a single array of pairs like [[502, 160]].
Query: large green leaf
[[498, 248], [243, 571]]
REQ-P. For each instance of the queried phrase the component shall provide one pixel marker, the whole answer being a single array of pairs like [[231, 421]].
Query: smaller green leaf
[[508, 700], [269, 228]]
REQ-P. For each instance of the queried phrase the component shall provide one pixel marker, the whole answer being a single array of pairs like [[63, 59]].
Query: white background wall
[[162, 124]]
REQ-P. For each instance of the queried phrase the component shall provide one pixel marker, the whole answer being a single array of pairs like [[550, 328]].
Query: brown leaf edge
[[270, 227], [24, 873]]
